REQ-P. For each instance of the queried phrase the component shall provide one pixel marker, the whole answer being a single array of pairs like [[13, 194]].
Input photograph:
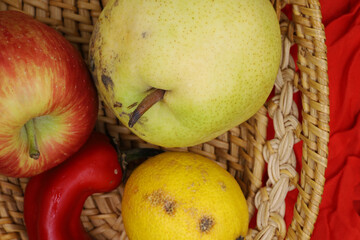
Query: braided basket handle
[[307, 31]]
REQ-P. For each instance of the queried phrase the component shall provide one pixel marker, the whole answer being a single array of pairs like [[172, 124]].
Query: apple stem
[[145, 104], [30, 131]]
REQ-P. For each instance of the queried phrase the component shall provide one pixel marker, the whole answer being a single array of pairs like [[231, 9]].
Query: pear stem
[[145, 105], [31, 135]]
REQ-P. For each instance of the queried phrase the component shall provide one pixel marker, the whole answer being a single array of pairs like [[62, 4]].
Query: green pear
[[182, 72]]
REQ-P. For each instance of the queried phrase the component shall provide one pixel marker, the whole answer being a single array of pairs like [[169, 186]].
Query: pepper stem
[[145, 105], [31, 135]]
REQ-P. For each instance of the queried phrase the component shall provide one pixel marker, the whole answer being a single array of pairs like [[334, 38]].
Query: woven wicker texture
[[243, 151]]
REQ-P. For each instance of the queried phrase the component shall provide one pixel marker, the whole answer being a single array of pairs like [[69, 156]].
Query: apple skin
[[44, 78], [217, 61]]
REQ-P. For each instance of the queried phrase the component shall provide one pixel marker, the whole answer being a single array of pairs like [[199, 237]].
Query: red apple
[[48, 103]]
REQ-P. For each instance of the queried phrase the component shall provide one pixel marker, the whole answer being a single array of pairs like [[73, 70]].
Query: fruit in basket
[[179, 73], [177, 195], [48, 102]]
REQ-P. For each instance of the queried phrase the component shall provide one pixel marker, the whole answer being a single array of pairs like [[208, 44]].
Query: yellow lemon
[[177, 195]]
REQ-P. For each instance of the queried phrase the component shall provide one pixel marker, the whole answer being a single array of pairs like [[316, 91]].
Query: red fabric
[[339, 216]]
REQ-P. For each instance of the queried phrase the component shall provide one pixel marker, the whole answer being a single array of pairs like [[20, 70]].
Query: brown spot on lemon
[[222, 185], [206, 223], [204, 175], [135, 190], [169, 207], [155, 198], [160, 198]]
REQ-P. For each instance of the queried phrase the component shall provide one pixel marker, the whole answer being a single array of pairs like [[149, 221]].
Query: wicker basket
[[244, 150]]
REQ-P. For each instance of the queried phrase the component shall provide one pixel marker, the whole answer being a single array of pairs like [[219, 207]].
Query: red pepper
[[54, 199]]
